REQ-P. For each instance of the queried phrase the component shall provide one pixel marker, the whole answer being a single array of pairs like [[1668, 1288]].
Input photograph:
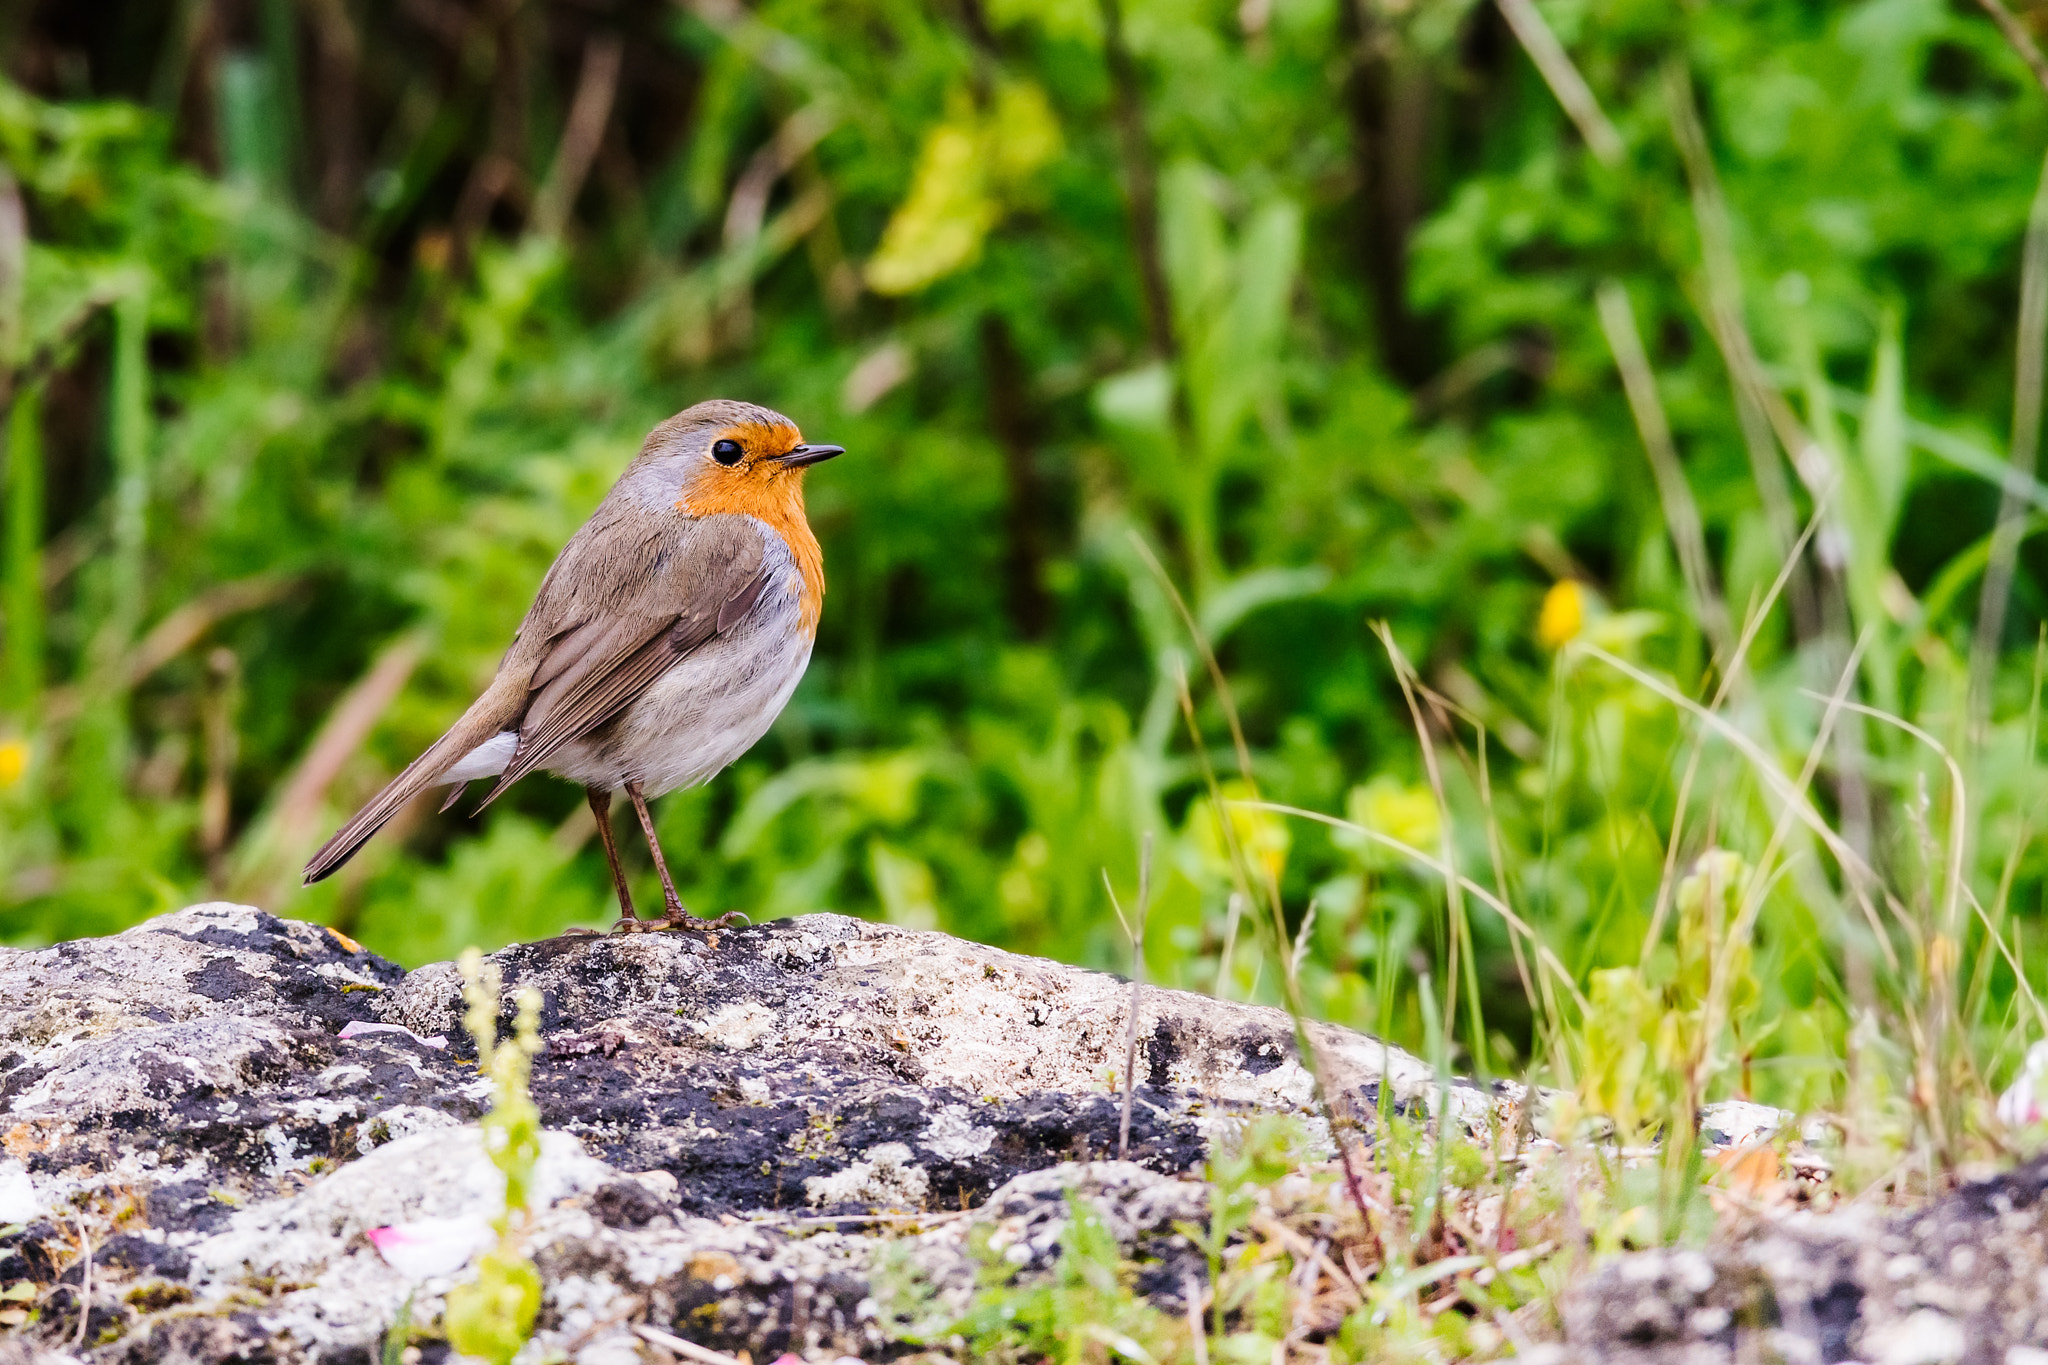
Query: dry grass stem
[[688, 1350], [2030, 349], [1416, 855], [596, 87], [1681, 511], [1555, 65], [1134, 931], [2021, 41]]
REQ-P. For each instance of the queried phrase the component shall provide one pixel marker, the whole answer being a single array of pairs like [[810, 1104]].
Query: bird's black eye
[[726, 452]]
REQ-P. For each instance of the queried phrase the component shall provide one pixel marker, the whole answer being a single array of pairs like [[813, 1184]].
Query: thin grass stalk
[[1977, 995], [1340, 1118], [1761, 879], [1235, 913], [1555, 65], [1994, 925], [1224, 697], [2015, 960], [2034, 703], [1134, 929], [1436, 1042], [1542, 1002], [1454, 899], [1737, 662], [2031, 356], [1857, 873], [1761, 875], [1958, 821], [1827, 618], [2020, 40], [1500, 907], [22, 573], [130, 437], [1681, 511], [1538, 995], [1943, 957], [1724, 317], [1301, 937]]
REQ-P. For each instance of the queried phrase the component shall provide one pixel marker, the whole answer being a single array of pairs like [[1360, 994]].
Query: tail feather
[[497, 709]]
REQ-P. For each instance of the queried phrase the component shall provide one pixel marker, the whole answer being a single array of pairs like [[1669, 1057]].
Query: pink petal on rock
[[431, 1246]]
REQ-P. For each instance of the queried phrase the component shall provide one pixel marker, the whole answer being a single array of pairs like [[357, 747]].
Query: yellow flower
[[1261, 835], [1563, 615], [13, 762], [1407, 814]]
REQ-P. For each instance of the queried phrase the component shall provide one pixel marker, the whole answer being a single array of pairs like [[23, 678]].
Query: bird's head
[[725, 456]]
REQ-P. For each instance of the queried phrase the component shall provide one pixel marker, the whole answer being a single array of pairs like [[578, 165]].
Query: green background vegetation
[[325, 323]]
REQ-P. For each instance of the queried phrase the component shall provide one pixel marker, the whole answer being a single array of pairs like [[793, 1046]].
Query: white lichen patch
[[954, 1135], [435, 1174], [399, 1121], [146, 1068], [737, 1027], [19, 1202], [884, 1177]]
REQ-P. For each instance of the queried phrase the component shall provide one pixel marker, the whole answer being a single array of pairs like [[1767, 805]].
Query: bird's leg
[[670, 900], [601, 807], [676, 917]]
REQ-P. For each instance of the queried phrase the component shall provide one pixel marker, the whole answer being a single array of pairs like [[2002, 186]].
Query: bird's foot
[[683, 921], [633, 924]]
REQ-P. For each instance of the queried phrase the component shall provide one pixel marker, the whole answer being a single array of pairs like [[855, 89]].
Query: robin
[[666, 638]]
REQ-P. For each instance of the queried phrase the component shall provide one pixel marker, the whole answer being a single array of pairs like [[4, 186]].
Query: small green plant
[[492, 1316], [396, 1339], [1085, 1310], [1271, 1146]]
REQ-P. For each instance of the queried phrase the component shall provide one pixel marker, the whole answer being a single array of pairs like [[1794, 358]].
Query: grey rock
[[794, 1137], [726, 1122], [1965, 1279]]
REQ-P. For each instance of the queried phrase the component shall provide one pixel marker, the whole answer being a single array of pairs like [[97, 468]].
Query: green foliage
[[491, 1317], [398, 1336], [1084, 1311]]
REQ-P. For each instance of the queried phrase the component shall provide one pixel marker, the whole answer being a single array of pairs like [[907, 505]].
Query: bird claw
[[637, 925], [681, 921]]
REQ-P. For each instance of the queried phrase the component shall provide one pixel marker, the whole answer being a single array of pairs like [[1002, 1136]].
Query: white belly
[[694, 720]]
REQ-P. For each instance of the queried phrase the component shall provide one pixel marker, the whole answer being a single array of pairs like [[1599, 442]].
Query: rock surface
[[753, 1142], [1964, 1280], [725, 1122]]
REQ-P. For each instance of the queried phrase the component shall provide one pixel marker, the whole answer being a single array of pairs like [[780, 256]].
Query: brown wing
[[623, 615]]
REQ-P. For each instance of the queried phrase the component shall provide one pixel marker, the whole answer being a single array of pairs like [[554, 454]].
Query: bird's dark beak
[[800, 456]]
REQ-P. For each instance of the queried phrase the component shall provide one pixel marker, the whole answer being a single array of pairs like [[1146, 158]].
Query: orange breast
[[775, 497]]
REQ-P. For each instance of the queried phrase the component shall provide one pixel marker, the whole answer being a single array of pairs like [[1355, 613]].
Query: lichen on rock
[[722, 1115], [784, 1138]]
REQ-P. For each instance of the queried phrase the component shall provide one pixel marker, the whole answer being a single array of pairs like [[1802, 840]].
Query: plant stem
[[22, 573], [130, 439], [2026, 446], [1141, 178]]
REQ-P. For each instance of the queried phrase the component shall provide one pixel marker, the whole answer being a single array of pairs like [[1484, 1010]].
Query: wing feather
[[596, 664]]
